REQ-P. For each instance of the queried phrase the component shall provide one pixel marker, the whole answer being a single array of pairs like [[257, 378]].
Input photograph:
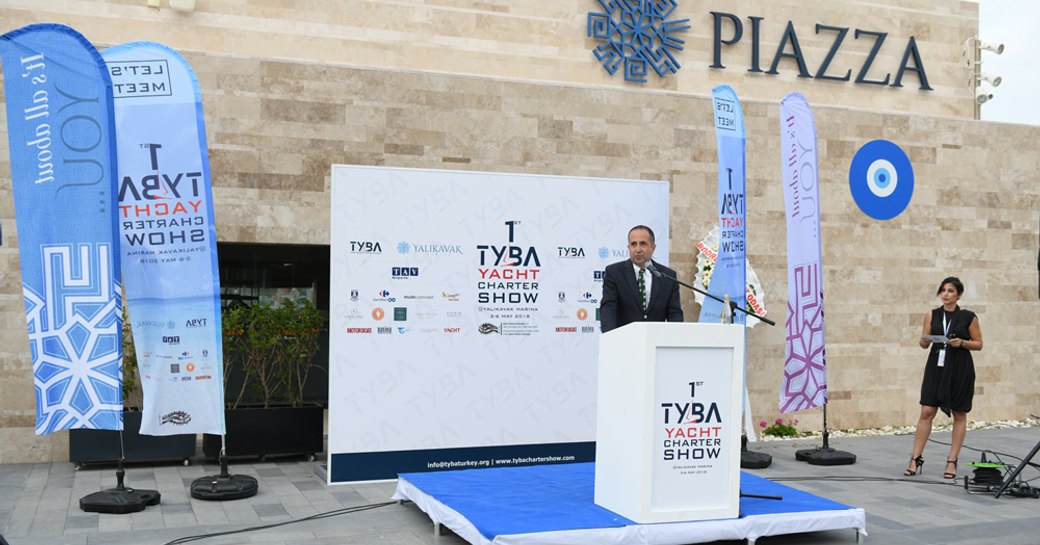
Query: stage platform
[[553, 504]]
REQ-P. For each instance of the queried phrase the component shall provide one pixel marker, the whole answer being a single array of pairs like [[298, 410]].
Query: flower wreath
[[707, 253]]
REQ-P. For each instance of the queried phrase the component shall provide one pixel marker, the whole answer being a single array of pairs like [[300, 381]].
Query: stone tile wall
[[545, 40], [276, 126]]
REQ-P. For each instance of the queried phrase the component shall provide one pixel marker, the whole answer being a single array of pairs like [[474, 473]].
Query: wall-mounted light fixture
[[972, 53], [991, 79], [996, 48]]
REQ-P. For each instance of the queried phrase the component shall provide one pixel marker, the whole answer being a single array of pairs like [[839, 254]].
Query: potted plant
[[270, 351], [88, 446]]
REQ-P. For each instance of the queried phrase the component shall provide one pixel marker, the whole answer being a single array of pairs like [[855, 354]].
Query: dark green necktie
[[642, 290]]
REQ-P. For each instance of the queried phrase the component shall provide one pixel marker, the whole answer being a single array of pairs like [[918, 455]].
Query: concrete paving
[[39, 503]]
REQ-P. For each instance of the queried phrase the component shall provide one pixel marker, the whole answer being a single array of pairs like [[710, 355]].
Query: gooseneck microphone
[[653, 270]]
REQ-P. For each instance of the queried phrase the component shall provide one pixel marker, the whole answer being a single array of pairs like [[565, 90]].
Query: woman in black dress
[[949, 374]]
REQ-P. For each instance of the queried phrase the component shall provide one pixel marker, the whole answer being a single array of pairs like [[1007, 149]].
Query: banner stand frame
[[224, 486], [119, 500], [825, 455]]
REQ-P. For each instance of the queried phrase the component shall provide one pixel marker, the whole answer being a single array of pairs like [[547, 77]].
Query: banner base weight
[[224, 486], [119, 501], [825, 457]]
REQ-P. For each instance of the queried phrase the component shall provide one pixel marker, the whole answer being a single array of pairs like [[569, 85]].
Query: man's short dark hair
[[648, 230]]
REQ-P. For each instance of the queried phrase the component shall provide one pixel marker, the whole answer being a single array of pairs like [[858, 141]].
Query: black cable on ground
[[344, 511], [863, 478]]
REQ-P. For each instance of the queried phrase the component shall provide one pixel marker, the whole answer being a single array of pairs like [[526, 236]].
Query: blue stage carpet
[[554, 504]]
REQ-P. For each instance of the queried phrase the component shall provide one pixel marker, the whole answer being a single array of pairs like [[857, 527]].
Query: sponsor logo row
[[190, 323], [375, 247], [386, 296]]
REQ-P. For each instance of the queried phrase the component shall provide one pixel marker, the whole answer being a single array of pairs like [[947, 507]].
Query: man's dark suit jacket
[[620, 304]]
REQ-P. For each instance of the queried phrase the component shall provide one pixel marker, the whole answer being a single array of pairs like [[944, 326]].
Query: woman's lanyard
[[946, 327], [946, 333]]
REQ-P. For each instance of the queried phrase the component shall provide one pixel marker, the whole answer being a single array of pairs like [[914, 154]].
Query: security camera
[[991, 79], [981, 97], [996, 48]]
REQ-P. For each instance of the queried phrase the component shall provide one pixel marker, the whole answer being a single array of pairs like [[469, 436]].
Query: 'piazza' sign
[[644, 37], [788, 48]]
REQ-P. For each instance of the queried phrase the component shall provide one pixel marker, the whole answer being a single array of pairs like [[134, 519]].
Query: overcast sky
[[1016, 24]]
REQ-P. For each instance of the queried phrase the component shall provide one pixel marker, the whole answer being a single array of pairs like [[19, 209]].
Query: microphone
[[653, 270]]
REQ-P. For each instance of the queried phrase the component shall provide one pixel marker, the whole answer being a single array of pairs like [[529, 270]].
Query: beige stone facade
[[291, 87]]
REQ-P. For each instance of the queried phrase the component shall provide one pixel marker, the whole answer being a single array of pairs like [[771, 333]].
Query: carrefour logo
[[587, 298]]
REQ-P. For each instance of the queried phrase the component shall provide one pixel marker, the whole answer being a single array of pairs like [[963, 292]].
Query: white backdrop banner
[[464, 315]]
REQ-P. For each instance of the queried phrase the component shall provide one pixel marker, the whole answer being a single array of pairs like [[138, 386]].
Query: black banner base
[[754, 460], [750, 459], [223, 487], [119, 501], [825, 457]]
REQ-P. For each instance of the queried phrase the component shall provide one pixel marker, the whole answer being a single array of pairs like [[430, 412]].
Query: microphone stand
[[748, 459], [733, 304]]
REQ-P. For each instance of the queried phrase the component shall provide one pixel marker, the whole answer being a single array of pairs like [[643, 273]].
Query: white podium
[[668, 421]]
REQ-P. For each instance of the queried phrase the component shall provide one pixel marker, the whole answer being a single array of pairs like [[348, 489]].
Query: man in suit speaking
[[631, 293]]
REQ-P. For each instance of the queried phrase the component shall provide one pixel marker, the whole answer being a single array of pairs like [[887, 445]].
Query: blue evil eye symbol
[[881, 179]]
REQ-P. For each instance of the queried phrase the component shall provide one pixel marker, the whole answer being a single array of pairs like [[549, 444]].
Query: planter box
[[274, 431], [90, 446]]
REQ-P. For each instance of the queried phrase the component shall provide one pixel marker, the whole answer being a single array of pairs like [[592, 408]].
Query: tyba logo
[[509, 273], [178, 217], [365, 247], [570, 252], [508, 255], [693, 430]]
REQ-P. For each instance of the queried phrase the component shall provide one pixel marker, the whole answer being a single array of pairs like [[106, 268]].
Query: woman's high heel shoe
[[918, 463], [953, 474]]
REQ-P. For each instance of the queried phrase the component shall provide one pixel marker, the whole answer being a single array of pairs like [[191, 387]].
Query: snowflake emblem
[[636, 33], [604, 252], [403, 248]]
